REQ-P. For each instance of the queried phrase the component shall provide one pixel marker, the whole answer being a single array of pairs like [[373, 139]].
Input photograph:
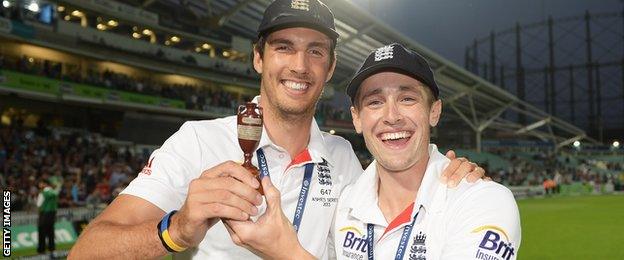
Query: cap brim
[[355, 83], [295, 21]]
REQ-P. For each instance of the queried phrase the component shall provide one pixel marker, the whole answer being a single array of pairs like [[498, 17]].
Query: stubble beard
[[295, 113], [292, 114]]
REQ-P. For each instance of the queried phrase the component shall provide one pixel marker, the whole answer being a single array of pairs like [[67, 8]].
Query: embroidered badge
[[324, 174], [303, 5], [384, 53], [418, 251]]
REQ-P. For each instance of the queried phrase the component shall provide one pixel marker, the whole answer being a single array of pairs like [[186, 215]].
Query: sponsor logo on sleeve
[[354, 244], [494, 245], [147, 170]]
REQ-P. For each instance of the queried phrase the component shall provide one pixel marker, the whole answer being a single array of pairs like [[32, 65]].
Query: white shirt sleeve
[[484, 224], [164, 180]]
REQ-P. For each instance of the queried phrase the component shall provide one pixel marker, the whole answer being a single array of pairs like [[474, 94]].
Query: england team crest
[[324, 174], [418, 251]]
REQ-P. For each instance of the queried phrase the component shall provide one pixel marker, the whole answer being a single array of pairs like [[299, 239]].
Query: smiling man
[[399, 207], [192, 188]]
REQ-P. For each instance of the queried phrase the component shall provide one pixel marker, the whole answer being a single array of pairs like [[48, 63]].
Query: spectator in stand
[[77, 191], [118, 176], [65, 199], [94, 199], [104, 189]]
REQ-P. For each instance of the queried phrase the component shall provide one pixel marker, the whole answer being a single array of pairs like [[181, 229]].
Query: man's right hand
[[225, 191]]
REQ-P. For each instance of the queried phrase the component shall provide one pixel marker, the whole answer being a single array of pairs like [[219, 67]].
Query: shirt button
[[281, 156]]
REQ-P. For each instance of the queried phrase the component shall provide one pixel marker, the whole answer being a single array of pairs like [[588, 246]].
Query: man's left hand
[[272, 235]]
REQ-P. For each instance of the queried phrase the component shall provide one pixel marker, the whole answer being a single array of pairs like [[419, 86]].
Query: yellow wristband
[[163, 234], [170, 243]]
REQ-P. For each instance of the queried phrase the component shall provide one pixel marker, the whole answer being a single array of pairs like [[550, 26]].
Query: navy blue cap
[[394, 57], [282, 14]]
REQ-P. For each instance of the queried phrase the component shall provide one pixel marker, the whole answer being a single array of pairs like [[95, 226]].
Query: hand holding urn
[[249, 121]]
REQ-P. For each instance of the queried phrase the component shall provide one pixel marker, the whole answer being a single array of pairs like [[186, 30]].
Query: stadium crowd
[[89, 170], [548, 169], [196, 97]]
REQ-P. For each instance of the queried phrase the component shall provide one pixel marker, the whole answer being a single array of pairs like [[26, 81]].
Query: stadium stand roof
[[471, 99]]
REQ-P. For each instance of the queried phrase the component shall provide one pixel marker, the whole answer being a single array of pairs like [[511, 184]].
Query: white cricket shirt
[[200, 145], [472, 221]]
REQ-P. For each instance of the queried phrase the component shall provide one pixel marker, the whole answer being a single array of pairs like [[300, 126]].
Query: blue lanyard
[[262, 163], [407, 232], [370, 230], [305, 186]]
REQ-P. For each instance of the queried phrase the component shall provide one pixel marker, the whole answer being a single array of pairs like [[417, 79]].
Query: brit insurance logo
[[354, 244], [495, 244]]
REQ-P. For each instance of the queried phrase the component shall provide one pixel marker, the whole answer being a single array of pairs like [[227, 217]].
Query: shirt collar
[[317, 147], [364, 197], [431, 180]]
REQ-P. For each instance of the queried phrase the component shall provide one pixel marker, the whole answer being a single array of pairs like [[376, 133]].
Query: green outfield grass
[[572, 227]]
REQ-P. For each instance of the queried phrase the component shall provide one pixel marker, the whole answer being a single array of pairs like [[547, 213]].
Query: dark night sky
[[447, 26]]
